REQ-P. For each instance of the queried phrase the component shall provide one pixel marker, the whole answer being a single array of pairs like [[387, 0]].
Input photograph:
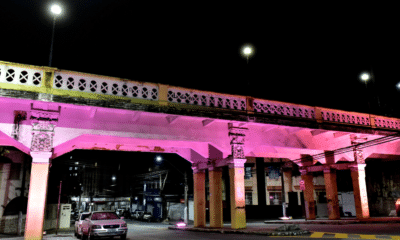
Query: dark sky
[[309, 54]]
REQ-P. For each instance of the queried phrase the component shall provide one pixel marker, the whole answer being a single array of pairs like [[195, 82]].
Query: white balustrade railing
[[345, 117], [20, 75], [89, 84], [108, 86], [285, 109], [206, 99]]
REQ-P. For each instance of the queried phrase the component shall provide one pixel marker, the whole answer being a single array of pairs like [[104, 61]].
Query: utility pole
[[58, 207], [186, 201]]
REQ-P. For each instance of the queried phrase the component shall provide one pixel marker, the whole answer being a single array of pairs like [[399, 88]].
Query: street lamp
[[55, 10], [365, 76], [159, 159], [247, 51]]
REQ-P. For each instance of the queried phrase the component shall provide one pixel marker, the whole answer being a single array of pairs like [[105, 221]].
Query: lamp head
[[56, 9]]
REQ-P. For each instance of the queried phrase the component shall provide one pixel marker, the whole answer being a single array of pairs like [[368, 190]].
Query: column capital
[[236, 163], [41, 157], [328, 169], [358, 167], [303, 171], [197, 170]]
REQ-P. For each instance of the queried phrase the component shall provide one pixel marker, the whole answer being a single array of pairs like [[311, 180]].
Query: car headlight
[[96, 227], [124, 225]]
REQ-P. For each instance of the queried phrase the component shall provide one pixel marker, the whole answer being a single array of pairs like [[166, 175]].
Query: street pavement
[[373, 228]]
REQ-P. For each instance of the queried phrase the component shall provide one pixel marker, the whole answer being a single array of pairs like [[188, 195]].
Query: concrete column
[[287, 179], [360, 191], [238, 211], [216, 216], [199, 192], [331, 193], [309, 194], [37, 195]]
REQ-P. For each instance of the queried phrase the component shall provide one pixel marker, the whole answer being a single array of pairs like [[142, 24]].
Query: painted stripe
[[367, 236], [341, 235], [317, 235]]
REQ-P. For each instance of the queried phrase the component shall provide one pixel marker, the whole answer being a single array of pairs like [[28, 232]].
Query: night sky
[[308, 54]]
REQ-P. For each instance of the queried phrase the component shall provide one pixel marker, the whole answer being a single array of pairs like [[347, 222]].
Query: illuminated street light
[[55, 10], [365, 76], [398, 86], [247, 51]]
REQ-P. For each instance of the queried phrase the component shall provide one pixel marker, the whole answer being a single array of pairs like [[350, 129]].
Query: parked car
[[78, 223], [104, 224]]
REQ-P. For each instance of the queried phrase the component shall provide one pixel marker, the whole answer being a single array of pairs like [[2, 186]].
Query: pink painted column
[[37, 195], [238, 203], [199, 196], [331, 193], [309, 200], [43, 124], [360, 191], [358, 178], [215, 180], [236, 176]]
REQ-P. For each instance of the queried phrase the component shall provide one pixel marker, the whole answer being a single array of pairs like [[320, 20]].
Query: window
[[249, 198], [275, 198], [247, 173]]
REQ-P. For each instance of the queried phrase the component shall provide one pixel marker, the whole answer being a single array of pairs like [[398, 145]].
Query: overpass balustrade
[[95, 84], [52, 81]]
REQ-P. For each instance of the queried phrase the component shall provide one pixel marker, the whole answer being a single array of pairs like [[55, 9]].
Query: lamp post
[[55, 10], [366, 77], [159, 159]]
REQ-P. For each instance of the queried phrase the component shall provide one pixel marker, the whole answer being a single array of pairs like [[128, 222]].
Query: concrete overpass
[[47, 112]]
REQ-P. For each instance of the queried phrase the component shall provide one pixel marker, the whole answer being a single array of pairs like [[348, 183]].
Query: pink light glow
[[181, 224]]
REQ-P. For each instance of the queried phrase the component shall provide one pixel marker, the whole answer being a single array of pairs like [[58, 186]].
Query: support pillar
[[199, 192], [360, 191], [37, 195], [238, 203], [216, 217], [236, 176], [288, 182], [358, 178], [332, 193], [309, 200]]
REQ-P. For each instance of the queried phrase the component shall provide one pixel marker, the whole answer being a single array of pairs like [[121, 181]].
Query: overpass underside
[[47, 112]]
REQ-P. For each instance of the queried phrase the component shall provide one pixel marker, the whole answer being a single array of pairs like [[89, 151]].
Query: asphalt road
[[159, 231]]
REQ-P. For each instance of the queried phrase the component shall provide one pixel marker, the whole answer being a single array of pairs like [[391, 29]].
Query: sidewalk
[[344, 220]]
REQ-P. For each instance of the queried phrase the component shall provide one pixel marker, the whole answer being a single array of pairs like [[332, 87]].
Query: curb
[[249, 232]]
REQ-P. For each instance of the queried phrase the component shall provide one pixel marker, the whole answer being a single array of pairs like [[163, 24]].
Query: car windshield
[[104, 216], [84, 216]]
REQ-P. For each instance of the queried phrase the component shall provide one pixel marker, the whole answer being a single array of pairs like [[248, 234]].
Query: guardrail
[[60, 82]]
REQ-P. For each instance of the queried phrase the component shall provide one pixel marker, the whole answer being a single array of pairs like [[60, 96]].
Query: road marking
[[367, 236], [347, 236], [341, 235], [317, 235]]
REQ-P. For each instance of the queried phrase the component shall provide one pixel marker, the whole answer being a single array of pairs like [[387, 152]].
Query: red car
[[104, 224]]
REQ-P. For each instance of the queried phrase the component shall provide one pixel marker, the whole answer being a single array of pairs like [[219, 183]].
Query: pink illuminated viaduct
[[47, 112]]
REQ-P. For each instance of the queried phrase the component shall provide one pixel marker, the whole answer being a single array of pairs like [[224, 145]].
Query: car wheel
[[123, 237], [90, 236]]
